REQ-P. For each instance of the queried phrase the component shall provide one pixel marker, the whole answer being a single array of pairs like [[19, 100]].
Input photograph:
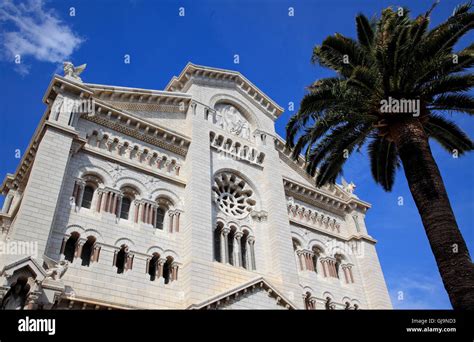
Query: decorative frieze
[[320, 199], [123, 149], [142, 130], [235, 149], [302, 214]]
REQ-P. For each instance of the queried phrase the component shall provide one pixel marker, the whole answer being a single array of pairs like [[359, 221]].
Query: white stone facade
[[183, 198]]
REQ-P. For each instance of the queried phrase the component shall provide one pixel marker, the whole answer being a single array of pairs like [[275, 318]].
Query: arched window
[[217, 242], [125, 208], [329, 304], [244, 249], [122, 259], [230, 247], [307, 301], [87, 197], [337, 264], [160, 218], [167, 269], [315, 258], [153, 266], [88, 251], [71, 246]]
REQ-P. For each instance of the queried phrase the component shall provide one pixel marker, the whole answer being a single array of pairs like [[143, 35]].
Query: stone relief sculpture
[[229, 118], [55, 269]]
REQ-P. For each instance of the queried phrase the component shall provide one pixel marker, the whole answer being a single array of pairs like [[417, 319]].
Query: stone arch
[[126, 241], [245, 227], [170, 253], [155, 249], [347, 257], [328, 294], [97, 171], [131, 182], [167, 194], [355, 302], [240, 105], [318, 244], [299, 237], [94, 233], [74, 228], [296, 243]]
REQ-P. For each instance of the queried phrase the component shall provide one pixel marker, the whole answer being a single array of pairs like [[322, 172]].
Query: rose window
[[233, 195]]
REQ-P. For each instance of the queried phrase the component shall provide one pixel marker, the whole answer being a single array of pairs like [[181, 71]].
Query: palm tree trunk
[[429, 193]]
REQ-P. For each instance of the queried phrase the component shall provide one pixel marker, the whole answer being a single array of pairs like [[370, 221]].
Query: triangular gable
[[251, 91], [255, 285], [28, 261]]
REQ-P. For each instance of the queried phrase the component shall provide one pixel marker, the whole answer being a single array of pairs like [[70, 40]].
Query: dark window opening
[[87, 197], [125, 208], [87, 251], [153, 266], [121, 259], [160, 218], [70, 248]]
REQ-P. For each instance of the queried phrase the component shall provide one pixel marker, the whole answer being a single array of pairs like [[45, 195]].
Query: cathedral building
[[185, 198]]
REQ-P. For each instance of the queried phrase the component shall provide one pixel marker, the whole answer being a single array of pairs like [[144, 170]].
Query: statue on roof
[[70, 71], [349, 187]]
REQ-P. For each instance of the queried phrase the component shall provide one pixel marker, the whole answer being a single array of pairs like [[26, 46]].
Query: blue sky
[[274, 53]]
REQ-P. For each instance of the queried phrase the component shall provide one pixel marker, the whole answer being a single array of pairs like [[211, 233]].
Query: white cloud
[[29, 30], [417, 291]]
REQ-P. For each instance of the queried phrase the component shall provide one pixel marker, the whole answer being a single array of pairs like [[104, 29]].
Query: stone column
[[150, 213], [351, 277], [119, 207], [238, 249], [176, 215], [137, 211], [343, 267], [323, 263], [100, 194], [174, 271], [251, 241], [300, 256], [143, 212], [153, 215], [225, 233], [221, 246], [171, 218], [105, 199], [80, 195], [309, 256], [113, 206], [161, 263]]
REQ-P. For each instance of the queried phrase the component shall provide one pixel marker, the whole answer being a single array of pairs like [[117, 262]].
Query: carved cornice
[[136, 99], [192, 73], [320, 199]]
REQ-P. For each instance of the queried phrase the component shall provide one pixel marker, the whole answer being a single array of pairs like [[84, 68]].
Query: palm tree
[[393, 88]]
